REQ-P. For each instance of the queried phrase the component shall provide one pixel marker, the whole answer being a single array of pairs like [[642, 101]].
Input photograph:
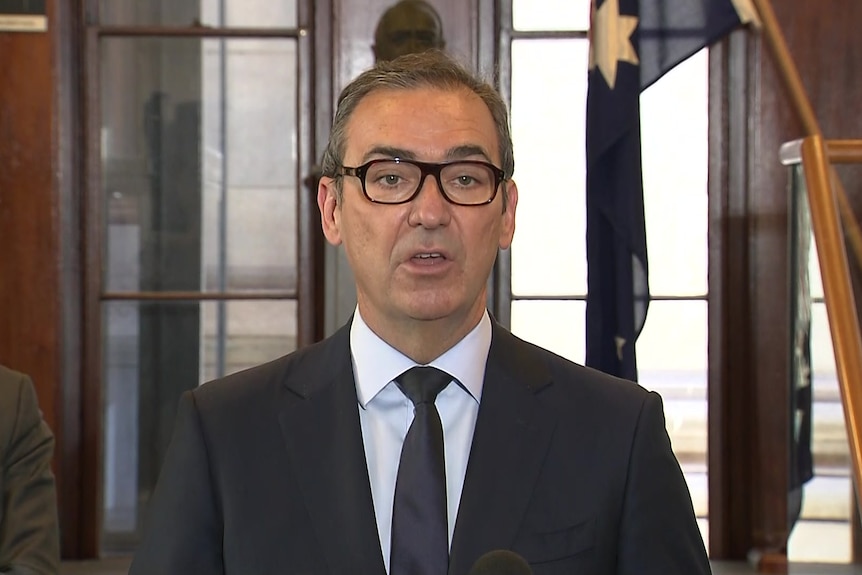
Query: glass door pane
[[199, 187], [237, 13]]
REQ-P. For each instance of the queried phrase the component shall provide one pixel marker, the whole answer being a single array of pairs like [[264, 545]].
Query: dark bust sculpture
[[407, 27]]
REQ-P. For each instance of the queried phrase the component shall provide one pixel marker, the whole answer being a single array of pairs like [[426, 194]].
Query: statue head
[[407, 27]]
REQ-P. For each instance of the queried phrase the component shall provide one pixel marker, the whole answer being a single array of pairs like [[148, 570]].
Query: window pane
[[239, 13], [548, 126], [551, 14], [672, 361], [814, 271], [672, 344], [671, 352], [674, 142], [258, 150], [252, 13], [242, 334], [849, 177], [557, 325], [824, 530], [823, 533], [153, 352], [199, 164]]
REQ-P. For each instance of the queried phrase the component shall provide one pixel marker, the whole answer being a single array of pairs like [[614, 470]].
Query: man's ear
[[507, 228], [330, 211]]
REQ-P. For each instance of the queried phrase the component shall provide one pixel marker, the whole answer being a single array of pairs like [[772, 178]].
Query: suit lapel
[[321, 428], [511, 438]]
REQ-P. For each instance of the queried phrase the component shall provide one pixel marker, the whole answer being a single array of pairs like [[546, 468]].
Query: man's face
[[426, 259], [408, 29]]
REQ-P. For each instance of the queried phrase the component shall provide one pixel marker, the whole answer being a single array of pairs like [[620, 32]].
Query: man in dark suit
[[294, 466], [29, 533]]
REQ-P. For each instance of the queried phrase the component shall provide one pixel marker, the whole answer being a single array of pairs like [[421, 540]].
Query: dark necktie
[[420, 530]]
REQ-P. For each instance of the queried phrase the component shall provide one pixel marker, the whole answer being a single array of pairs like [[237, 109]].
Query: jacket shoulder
[[565, 379], [19, 404], [261, 382]]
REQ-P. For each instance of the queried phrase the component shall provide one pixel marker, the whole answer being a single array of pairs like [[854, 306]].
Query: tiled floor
[[119, 566]]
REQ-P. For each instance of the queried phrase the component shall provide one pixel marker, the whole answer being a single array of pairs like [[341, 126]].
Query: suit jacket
[[570, 468], [29, 533]]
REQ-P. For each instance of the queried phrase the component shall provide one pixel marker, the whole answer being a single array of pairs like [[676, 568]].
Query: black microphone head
[[501, 562]]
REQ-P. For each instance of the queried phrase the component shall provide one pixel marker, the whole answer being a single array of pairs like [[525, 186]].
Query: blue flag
[[632, 44]]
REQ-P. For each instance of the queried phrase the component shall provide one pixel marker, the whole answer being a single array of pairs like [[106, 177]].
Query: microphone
[[501, 562]]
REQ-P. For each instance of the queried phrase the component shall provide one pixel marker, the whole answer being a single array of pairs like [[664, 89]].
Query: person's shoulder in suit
[[250, 390], [610, 436], [573, 381], [272, 374], [29, 532], [228, 448]]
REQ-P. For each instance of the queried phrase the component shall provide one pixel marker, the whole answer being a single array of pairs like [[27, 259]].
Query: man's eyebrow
[[389, 152], [465, 151], [454, 153]]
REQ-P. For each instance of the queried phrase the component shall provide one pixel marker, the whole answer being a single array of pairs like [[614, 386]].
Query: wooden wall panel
[[750, 118], [29, 239], [730, 403], [39, 271]]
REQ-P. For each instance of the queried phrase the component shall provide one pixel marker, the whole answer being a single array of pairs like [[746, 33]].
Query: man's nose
[[431, 185], [430, 207]]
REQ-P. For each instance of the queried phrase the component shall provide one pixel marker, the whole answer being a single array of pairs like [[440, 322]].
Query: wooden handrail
[[844, 151]]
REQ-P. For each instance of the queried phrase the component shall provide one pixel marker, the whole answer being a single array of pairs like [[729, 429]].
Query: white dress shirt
[[385, 413]]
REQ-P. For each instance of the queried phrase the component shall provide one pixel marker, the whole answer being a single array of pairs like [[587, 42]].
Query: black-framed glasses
[[397, 181]]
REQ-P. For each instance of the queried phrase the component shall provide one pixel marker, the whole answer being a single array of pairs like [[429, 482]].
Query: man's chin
[[431, 309], [429, 315], [437, 309]]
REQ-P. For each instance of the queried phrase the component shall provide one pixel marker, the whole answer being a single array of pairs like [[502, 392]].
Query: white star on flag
[[610, 39]]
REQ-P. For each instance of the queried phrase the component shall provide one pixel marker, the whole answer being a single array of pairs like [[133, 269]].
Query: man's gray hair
[[431, 68]]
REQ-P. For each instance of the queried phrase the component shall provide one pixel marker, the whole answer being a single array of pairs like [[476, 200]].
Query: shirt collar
[[376, 363]]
